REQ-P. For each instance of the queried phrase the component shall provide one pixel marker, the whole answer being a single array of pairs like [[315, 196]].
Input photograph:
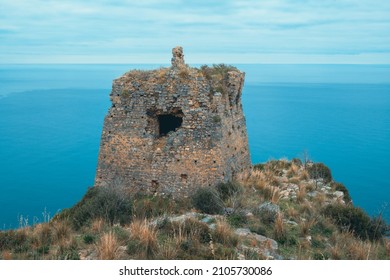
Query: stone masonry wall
[[172, 130]]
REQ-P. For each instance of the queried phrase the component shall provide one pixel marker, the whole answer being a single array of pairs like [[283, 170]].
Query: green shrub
[[237, 219], [134, 247], [89, 238], [357, 221], [320, 255], [319, 171], [70, 254], [219, 70], [260, 229], [112, 206], [146, 207], [121, 234], [379, 228], [318, 243], [187, 245], [222, 69], [278, 164], [43, 250], [217, 76], [196, 229], [323, 228], [217, 119], [228, 190], [259, 166], [14, 240], [207, 201], [287, 239]]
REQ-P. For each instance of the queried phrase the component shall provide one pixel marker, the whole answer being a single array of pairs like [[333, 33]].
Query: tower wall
[[172, 130]]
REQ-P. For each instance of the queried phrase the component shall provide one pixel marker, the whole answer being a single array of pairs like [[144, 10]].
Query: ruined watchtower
[[174, 129]]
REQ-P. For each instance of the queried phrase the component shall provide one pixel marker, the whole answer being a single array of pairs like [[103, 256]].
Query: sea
[[51, 119]]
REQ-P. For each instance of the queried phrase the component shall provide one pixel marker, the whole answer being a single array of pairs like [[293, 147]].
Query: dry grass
[[320, 198], [97, 225], [304, 175], [107, 246], [306, 208], [42, 234], [303, 251], [275, 197], [279, 228], [161, 74], [336, 252], [168, 250], [301, 194], [359, 250], [260, 184], [305, 226], [292, 212], [271, 178], [7, 255], [193, 239], [255, 179], [294, 168], [212, 247], [178, 233], [146, 236], [310, 187], [386, 243], [224, 234], [184, 73], [61, 230], [294, 180]]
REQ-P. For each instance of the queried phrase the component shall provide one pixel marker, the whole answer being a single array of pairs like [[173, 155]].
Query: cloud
[[94, 31]]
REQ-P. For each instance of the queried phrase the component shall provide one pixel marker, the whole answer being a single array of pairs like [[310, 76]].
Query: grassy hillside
[[280, 210]]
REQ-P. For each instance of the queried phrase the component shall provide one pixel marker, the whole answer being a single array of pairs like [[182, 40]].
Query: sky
[[230, 31]]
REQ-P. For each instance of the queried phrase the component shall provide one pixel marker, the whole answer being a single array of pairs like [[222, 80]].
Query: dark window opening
[[184, 178], [155, 185], [168, 123]]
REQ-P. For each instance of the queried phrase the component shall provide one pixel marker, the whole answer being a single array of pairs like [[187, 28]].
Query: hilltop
[[279, 210]]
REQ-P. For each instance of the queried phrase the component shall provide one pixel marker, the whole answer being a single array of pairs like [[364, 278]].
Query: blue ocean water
[[51, 118]]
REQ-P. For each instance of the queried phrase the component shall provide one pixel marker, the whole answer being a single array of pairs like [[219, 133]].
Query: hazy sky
[[243, 31]]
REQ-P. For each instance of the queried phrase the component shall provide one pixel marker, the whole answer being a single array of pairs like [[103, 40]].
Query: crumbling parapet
[[177, 58]]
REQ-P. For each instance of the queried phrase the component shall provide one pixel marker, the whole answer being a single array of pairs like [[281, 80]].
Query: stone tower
[[172, 130]]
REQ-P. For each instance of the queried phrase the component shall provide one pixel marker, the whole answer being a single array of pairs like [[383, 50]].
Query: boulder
[[269, 210]]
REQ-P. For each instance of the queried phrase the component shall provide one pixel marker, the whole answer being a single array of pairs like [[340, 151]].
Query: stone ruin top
[[172, 130], [177, 57]]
